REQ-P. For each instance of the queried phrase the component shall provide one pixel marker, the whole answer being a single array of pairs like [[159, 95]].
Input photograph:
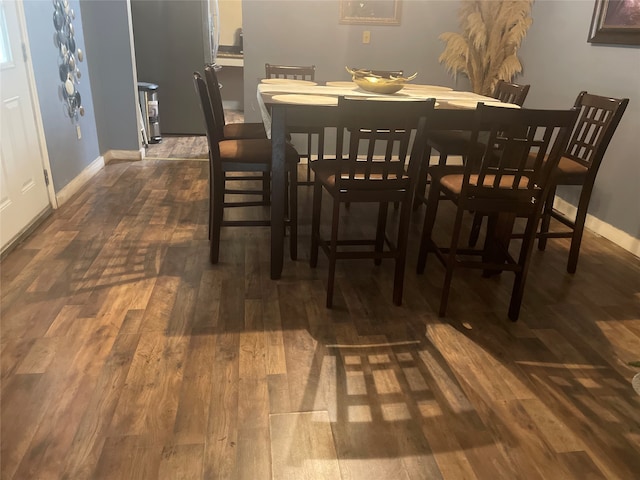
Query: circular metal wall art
[[69, 55]]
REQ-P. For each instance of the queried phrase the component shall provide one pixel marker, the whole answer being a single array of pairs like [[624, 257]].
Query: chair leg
[[546, 219], [266, 188], [524, 260], [335, 222], [309, 141], [210, 198], [421, 184], [427, 228], [381, 228], [293, 212], [401, 254], [315, 223], [476, 226], [216, 213], [451, 263], [578, 230]]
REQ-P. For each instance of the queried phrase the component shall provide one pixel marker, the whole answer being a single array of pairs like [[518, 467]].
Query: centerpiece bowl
[[377, 81]]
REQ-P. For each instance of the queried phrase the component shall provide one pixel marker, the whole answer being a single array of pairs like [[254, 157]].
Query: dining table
[[284, 103]]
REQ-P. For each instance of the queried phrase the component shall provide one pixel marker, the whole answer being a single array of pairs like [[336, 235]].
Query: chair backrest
[[599, 117], [508, 92], [210, 124], [215, 95], [512, 154], [373, 137], [290, 71]]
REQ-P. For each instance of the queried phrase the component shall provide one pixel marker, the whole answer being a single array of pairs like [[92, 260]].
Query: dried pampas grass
[[486, 49]]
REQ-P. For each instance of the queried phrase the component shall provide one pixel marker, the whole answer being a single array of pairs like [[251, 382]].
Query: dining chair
[[240, 155], [455, 142], [599, 117], [295, 72], [301, 73], [510, 157], [228, 131], [376, 138], [235, 131]]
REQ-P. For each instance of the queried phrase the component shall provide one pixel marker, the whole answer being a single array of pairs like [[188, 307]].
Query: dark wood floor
[[126, 355]]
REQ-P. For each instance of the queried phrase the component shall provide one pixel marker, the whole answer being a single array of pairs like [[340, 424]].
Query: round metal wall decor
[[69, 56]]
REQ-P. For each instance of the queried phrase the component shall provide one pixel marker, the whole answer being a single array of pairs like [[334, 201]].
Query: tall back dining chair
[[295, 72], [228, 131], [375, 136], [306, 73], [235, 131], [509, 92], [240, 155], [456, 142], [500, 180], [598, 120]]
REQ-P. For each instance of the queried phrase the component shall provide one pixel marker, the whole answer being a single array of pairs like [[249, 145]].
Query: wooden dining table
[[284, 103]]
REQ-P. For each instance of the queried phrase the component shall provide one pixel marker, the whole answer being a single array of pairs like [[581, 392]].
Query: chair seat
[[453, 183], [247, 151], [326, 173], [569, 172], [236, 131]]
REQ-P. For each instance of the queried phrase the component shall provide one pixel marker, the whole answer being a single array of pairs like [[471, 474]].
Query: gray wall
[[108, 38], [298, 32], [558, 64], [107, 86], [68, 156], [557, 59]]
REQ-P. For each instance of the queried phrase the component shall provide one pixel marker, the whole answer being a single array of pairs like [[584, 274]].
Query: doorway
[[24, 195]]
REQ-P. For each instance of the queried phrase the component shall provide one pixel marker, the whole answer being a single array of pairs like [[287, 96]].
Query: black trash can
[[148, 95]]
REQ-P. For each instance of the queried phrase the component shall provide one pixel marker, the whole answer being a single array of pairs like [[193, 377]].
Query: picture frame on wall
[[615, 22], [370, 12]]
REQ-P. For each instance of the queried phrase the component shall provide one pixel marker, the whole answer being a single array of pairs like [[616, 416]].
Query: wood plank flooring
[[179, 147], [126, 355], [187, 147]]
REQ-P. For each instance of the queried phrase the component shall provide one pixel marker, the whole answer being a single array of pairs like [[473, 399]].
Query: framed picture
[[370, 12], [615, 22]]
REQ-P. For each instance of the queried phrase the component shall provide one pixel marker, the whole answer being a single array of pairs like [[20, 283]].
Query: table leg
[[278, 185], [499, 231]]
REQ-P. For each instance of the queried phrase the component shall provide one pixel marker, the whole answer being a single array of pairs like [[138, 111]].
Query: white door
[[23, 192]]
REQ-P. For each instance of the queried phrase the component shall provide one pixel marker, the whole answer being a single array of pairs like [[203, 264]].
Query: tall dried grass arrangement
[[486, 49]]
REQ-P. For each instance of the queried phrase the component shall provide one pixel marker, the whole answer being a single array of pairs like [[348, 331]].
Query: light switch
[[78, 132], [366, 36]]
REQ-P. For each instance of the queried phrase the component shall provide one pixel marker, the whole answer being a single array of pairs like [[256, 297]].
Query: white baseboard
[[597, 226], [77, 183], [132, 155]]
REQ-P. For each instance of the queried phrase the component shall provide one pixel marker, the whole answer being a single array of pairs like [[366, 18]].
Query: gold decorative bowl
[[379, 82]]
